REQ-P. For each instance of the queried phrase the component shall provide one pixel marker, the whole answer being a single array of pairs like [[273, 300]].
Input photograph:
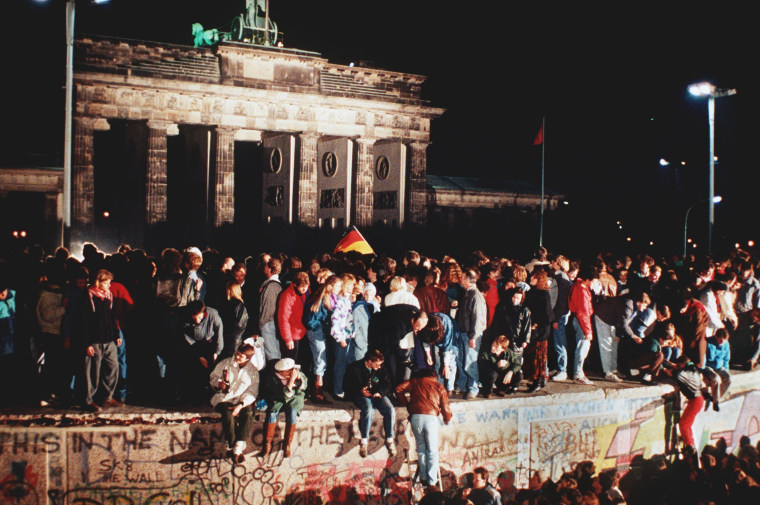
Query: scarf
[[101, 295]]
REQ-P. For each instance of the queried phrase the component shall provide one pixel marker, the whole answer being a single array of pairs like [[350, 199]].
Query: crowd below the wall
[[273, 332], [715, 477]]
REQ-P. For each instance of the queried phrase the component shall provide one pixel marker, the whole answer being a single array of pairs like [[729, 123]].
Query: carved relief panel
[[389, 183], [278, 177], [334, 169]]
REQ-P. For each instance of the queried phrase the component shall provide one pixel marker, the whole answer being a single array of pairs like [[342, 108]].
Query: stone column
[[307, 180], [156, 177], [83, 173], [364, 181], [224, 177], [418, 184]]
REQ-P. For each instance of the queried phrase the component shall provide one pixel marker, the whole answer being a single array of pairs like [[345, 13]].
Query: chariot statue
[[253, 26]]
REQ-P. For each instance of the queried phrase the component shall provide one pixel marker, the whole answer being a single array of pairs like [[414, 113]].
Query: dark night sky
[[611, 81]]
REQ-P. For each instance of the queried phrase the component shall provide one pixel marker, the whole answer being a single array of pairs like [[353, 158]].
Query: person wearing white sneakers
[[235, 382], [558, 293], [579, 302]]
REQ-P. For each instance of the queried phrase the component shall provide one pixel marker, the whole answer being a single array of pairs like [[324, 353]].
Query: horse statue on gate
[[210, 37]]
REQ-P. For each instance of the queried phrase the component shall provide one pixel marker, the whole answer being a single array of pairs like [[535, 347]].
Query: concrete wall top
[[180, 457]]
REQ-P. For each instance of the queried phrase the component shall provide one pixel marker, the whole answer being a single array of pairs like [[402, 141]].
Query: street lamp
[[715, 199], [711, 92]]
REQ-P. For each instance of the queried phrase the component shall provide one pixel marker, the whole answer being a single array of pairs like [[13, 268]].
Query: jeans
[[318, 351], [291, 415], [449, 359], [467, 362], [271, 345], [425, 429], [121, 353], [367, 407], [582, 347], [608, 345], [671, 353], [341, 355], [560, 342]]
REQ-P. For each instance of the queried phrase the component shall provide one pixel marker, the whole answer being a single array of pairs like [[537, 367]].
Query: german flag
[[352, 240]]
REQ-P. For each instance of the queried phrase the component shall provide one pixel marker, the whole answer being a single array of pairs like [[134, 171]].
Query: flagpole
[[543, 148]]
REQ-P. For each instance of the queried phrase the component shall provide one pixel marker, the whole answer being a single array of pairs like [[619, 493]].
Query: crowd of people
[[716, 477], [276, 332]]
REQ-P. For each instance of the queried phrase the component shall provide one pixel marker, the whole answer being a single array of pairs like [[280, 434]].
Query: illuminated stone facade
[[329, 134]]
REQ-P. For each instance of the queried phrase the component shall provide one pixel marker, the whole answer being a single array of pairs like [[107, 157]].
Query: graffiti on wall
[[186, 464]]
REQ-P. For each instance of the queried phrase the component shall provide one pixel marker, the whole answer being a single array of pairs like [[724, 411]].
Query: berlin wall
[[177, 461]]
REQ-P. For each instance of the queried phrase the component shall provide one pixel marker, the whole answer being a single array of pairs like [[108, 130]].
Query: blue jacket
[[450, 329], [315, 321], [8, 323], [718, 356]]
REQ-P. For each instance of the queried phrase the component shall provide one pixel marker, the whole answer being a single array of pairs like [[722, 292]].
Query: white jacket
[[244, 383]]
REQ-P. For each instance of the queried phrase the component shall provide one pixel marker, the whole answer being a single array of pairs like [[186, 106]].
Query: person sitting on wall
[[716, 366], [235, 382], [499, 368], [284, 387], [368, 385]]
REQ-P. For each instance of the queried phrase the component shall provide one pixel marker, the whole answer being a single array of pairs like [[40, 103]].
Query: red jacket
[[579, 302], [290, 313]]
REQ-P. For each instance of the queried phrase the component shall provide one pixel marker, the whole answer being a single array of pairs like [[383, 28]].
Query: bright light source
[[23, 233], [717, 199], [651, 242], [683, 163], [106, 214], [694, 245], [737, 245], [689, 241], [15, 233], [664, 162], [702, 89], [751, 243], [620, 227], [628, 239], [565, 202]]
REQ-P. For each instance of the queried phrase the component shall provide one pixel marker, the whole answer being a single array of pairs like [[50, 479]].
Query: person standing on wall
[[425, 399], [99, 336]]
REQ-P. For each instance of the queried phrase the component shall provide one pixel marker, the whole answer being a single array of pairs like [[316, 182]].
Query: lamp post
[[714, 200], [711, 92], [67, 121]]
